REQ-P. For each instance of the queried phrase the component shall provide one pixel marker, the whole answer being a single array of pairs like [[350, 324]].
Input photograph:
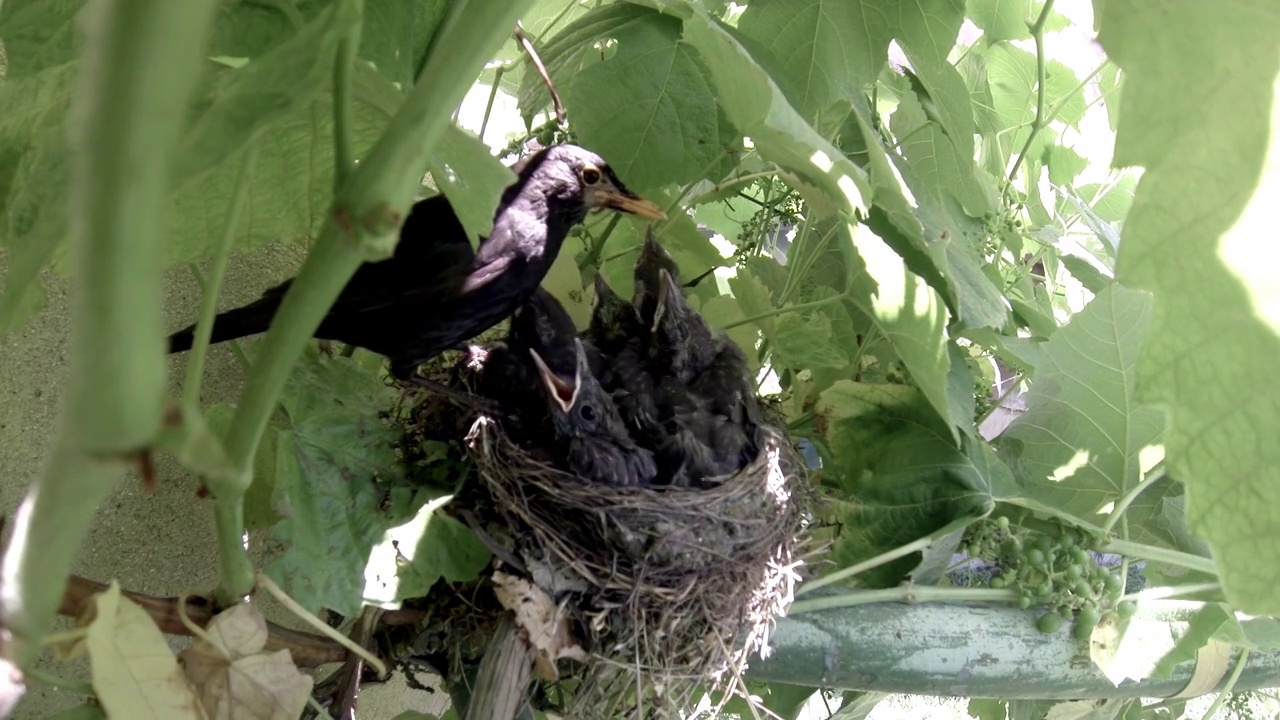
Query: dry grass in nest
[[674, 588]]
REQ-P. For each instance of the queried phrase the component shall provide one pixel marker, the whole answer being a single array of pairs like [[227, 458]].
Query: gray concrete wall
[[161, 543]]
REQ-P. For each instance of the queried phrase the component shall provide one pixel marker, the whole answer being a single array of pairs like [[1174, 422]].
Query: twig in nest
[[542, 72]]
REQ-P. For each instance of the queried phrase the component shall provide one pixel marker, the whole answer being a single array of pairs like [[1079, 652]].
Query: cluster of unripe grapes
[[1057, 572]]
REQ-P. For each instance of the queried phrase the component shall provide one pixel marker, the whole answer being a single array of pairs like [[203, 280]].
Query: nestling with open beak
[[591, 437]]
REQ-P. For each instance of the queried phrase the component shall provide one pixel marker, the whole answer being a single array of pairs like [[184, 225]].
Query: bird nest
[[658, 593]]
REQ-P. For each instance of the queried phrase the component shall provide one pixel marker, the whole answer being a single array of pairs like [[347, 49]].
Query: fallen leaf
[[545, 624], [134, 673], [234, 679]]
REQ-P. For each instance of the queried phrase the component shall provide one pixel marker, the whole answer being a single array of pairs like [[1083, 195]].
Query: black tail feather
[[230, 325]]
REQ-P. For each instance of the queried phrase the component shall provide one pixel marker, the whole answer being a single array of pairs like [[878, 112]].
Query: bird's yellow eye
[[590, 175]]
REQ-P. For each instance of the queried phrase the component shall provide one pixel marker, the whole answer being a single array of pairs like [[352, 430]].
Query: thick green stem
[[1129, 497], [498, 72], [209, 307], [1037, 31], [140, 62], [366, 215], [865, 565], [343, 155]]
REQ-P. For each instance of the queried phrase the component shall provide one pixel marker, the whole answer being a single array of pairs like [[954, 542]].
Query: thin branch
[[527, 46], [236, 348], [784, 310], [1037, 31], [498, 72], [875, 562], [209, 306], [1241, 662]]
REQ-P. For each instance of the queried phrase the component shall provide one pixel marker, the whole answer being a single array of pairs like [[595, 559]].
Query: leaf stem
[[236, 348], [592, 258], [684, 192], [1164, 593], [858, 568], [1159, 554], [498, 72], [343, 64], [911, 594], [140, 62], [783, 310], [1152, 478], [363, 225], [730, 183], [209, 306], [1037, 32]]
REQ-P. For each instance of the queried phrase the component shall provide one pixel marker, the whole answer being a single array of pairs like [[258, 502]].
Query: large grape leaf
[[1201, 115], [646, 105], [828, 51], [330, 459], [900, 469], [1001, 19], [1077, 447], [37, 34]]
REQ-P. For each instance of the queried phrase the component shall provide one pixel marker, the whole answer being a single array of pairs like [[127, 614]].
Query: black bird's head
[[541, 323], [580, 406], [653, 259], [681, 337], [613, 319], [577, 178]]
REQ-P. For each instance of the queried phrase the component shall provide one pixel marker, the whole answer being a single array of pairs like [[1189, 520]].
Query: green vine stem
[[366, 217], [846, 573], [802, 307], [141, 59], [1154, 477], [1037, 32], [212, 287], [1159, 554], [343, 62], [1236, 672]]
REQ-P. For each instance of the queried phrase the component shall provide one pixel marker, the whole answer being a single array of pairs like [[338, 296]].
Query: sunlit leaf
[[1200, 247]]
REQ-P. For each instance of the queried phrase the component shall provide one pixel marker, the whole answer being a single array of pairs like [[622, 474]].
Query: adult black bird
[[591, 437], [435, 293]]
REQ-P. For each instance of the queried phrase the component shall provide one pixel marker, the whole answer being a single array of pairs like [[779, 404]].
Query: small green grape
[[1024, 602], [1044, 589], [1074, 572], [1126, 609], [1112, 584], [1079, 555], [547, 136], [1083, 589], [1086, 621], [1035, 557], [1065, 612], [1043, 543], [1002, 522], [1066, 540], [1049, 623], [998, 582]]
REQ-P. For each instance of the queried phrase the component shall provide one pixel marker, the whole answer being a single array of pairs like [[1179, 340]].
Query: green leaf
[[1064, 92], [1200, 248], [808, 344], [88, 711], [1001, 19], [1078, 445], [648, 107], [919, 482], [1158, 516], [909, 313], [471, 178], [244, 100], [38, 34], [1084, 271], [756, 106], [828, 51], [397, 34], [329, 464], [938, 162], [1064, 164], [259, 510], [432, 546]]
